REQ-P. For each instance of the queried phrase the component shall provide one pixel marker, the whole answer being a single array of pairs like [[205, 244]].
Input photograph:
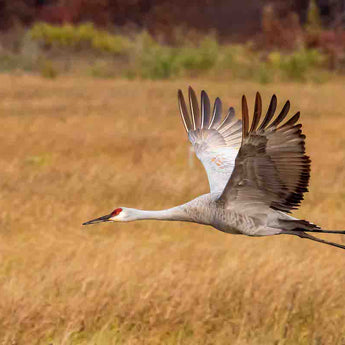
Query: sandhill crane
[[257, 174]]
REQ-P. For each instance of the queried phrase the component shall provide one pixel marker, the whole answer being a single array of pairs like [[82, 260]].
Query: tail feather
[[303, 225]]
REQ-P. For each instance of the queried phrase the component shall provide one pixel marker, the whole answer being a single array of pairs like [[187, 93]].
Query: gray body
[[206, 209]]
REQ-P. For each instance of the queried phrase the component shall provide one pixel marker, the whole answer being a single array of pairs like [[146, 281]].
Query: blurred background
[[89, 122], [261, 40]]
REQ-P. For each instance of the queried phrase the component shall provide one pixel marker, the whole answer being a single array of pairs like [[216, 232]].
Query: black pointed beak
[[98, 220]]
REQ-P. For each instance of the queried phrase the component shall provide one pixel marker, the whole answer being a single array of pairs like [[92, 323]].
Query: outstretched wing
[[216, 140], [271, 167]]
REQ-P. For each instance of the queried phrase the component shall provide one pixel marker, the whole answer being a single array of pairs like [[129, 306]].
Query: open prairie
[[73, 149]]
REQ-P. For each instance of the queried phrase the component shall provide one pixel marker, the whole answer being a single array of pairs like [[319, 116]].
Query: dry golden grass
[[73, 149]]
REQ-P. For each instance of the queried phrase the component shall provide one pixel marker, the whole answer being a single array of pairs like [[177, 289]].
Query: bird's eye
[[116, 212]]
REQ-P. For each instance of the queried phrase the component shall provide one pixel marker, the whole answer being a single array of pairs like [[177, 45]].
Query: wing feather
[[228, 119], [245, 117], [257, 112], [271, 167], [205, 110], [217, 114], [183, 111], [194, 109], [270, 112], [282, 115], [292, 121], [216, 141]]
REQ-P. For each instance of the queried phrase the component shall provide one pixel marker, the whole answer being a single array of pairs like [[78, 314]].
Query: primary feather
[[216, 142], [271, 167]]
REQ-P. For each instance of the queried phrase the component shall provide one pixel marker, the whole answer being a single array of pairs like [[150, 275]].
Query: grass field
[[73, 149]]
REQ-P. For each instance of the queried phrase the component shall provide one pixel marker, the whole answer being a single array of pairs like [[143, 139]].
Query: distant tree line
[[228, 18]]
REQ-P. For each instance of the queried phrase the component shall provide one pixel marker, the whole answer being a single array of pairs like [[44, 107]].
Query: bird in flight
[[257, 172]]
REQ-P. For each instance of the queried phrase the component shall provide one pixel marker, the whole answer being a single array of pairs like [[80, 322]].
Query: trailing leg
[[303, 234]]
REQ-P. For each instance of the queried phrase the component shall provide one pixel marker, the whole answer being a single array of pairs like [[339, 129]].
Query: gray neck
[[175, 213]]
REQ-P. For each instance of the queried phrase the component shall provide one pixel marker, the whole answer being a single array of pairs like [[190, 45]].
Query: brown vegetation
[[161, 17], [229, 19], [75, 148]]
